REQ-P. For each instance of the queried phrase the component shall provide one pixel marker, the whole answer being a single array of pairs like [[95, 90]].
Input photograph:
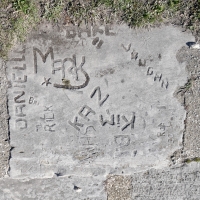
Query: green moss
[[53, 12], [197, 159], [135, 13], [192, 160], [26, 14], [22, 5], [65, 81], [25, 23], [188, 161], [188, 84], [19, 22]]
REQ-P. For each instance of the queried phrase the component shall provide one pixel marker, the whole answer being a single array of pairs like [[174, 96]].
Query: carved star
[[46, 81]]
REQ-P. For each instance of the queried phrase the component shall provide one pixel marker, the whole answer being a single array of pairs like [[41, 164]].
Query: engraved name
[[86, 112], [73, 70], [19, 80]]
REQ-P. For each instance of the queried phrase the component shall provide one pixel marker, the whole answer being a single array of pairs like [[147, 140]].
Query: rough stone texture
[[180, 183], [57, 188], [55, 160], [4, 137], [119, 187], [95, 100], [189, 96]]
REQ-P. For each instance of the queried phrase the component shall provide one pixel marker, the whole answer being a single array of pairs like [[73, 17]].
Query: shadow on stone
[[189, 44]]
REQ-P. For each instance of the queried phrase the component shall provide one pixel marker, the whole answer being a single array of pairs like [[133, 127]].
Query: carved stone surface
[[95, 100]]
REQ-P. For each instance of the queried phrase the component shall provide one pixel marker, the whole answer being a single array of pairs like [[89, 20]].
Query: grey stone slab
[[4, 137], [96, 100], [189, 95], [180, 183], [70, 188]]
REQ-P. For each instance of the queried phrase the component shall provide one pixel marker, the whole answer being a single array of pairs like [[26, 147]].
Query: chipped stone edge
[[179, 157], [4, 122]]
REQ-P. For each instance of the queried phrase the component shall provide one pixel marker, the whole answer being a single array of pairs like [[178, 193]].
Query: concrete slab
[[177, 183], [93, 101], [4, 135], [189, 93], [174, 184], [57, 188]]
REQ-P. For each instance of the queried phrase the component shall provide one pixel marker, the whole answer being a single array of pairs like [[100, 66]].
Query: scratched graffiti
[[91, 96]]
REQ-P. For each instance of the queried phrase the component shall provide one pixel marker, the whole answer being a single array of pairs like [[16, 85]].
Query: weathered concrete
[[70, 188], [176, 183], [4, 137], [95, 101], [99, 113], [189, 96]]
